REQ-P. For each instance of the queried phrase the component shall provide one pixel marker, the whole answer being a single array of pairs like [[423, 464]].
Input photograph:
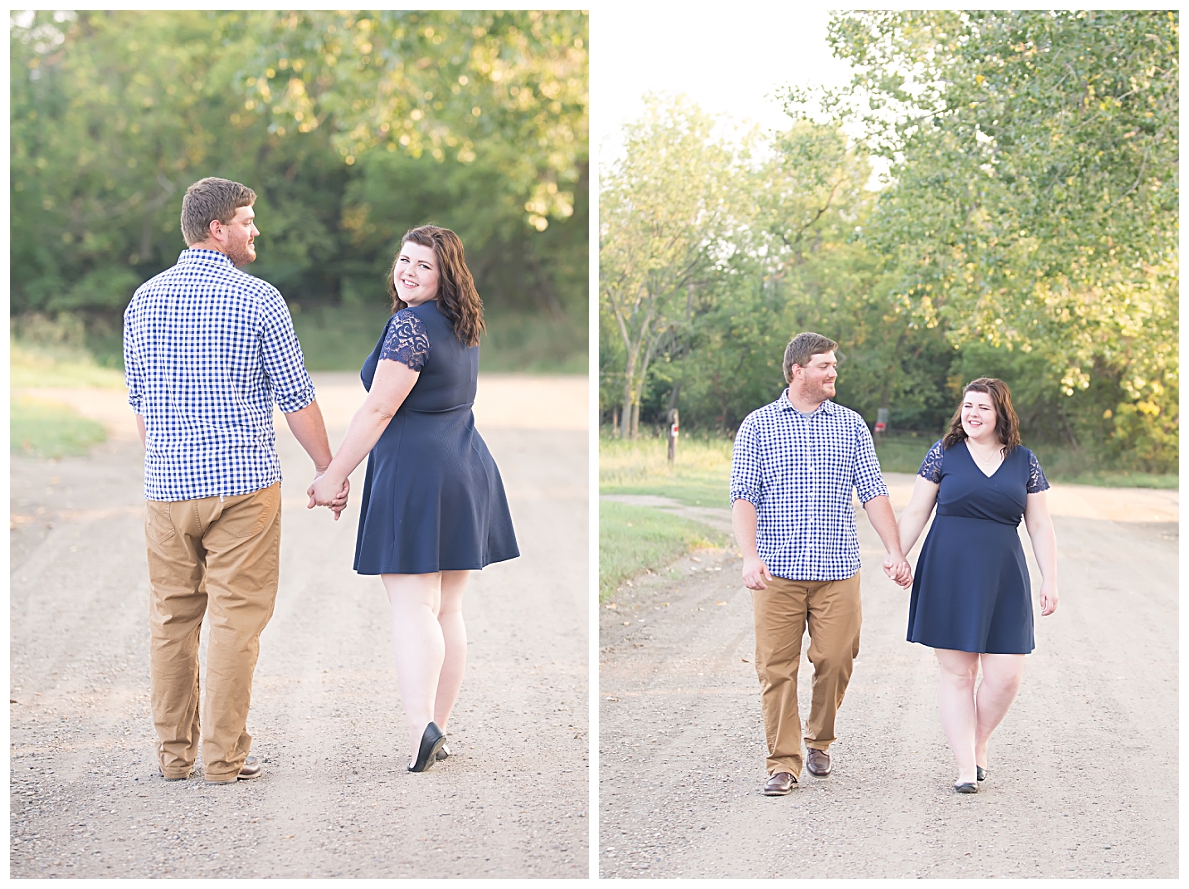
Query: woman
[[971, 597], [433, 505]]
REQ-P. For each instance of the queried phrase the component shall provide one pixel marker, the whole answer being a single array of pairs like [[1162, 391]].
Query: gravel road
[[326, 717], [1082, 774]]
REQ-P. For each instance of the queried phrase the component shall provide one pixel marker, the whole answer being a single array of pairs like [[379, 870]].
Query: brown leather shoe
[[780, 784], [253, 768], [818, 762]]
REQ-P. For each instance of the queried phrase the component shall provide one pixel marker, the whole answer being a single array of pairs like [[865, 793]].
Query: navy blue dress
[[971, 590], [433, 499]]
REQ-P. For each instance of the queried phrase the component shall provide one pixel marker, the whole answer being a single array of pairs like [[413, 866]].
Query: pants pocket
[[252, 514], [158, 522]]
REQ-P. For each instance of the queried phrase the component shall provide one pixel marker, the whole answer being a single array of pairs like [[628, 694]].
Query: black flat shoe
[[982, 773], [968, 787], [432, 740]]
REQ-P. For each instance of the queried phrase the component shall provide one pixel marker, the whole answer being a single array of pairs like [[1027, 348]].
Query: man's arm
[[868, 480], [883, 519], [746, 484], [141, 429], [744, 521], [309, 429]]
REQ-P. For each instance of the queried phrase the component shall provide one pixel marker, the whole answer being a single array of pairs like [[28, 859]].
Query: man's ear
[[212, 228]]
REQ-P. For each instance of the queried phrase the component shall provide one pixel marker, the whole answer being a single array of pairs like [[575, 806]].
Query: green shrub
[[635, 538], [45, 429]]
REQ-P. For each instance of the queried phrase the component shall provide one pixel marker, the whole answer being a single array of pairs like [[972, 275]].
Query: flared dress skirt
[[433, 499], [971, 590]]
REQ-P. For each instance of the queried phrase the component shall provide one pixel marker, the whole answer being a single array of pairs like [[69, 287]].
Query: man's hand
[[324, 492], [898, 569], [755, 572]]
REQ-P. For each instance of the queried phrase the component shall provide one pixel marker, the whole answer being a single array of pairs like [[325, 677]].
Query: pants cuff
[[794, 770]]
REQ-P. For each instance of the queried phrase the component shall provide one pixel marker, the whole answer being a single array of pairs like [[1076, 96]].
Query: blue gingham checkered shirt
[[799, 472], [207, 350]]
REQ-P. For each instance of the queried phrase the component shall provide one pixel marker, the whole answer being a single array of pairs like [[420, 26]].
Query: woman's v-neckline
[[979, 468]]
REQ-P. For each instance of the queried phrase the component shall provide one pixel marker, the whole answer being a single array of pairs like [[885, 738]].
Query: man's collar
[[826, 406], [198, 254]]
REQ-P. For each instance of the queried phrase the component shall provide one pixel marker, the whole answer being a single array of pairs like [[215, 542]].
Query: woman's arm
[[1044, 547], [916, 514], [390, 387]]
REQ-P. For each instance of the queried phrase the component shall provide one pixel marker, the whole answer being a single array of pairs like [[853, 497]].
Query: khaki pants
[[831, 608], [219, 556]]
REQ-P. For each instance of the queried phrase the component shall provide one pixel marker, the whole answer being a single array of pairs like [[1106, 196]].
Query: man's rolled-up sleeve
[[133, 374], [746, 478], [868, 479], [284, 363]]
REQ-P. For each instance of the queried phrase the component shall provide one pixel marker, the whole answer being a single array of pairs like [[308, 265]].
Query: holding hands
[[898, 569], [327, 491]]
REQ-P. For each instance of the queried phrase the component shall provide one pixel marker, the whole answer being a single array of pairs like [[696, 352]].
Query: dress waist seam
[[467, 406], [976, 518]]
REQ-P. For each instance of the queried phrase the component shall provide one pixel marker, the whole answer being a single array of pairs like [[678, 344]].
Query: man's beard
[[240, 255], [824, 391]]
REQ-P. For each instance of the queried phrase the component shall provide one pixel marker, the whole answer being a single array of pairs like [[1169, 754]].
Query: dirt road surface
[[336, 800], [1082, 778]]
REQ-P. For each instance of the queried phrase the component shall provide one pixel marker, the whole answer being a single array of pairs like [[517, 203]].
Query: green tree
[[506, 86], [114, 114], [665, 211], [1034, 193]]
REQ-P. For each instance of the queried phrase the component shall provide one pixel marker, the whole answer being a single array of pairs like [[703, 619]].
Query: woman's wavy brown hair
[[457, 297], [1007, 424]]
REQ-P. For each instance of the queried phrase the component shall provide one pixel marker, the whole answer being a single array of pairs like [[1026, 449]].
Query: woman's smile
[[416, 274]]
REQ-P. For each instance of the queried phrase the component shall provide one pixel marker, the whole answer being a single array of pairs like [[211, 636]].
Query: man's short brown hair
[[801, 348], [210, 199]]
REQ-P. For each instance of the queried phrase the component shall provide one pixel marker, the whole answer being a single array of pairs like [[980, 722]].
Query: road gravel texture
[[1082, 778], [335, 800]]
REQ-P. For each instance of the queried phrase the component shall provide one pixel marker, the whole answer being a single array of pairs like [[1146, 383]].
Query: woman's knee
[[412, 591], [958, 667], [1001, 682], [453, 586]]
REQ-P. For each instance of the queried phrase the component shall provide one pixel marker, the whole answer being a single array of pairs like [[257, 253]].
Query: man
[[207, 350], [794, 467]]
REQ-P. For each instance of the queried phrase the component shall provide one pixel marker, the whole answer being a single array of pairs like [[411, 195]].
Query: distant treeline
[[1027, 229], [350, 127]]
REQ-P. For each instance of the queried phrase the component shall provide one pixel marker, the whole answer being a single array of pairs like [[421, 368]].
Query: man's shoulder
[[764, 412], [187, 275], [846, 417]]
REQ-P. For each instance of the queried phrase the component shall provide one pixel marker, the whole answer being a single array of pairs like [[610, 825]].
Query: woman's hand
[[898, 569], [1048, 598], [327, 491]]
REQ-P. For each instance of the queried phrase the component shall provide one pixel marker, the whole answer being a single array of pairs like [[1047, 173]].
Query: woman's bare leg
[[955, 704], [454, 634], [418, 645], [1001, 680]]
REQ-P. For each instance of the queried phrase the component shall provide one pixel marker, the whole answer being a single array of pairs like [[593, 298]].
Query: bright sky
[[729, 58]]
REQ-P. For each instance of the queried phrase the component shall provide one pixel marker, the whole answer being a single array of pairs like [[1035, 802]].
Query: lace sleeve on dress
[[406, 341], [1036, 477], [931, 466]]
